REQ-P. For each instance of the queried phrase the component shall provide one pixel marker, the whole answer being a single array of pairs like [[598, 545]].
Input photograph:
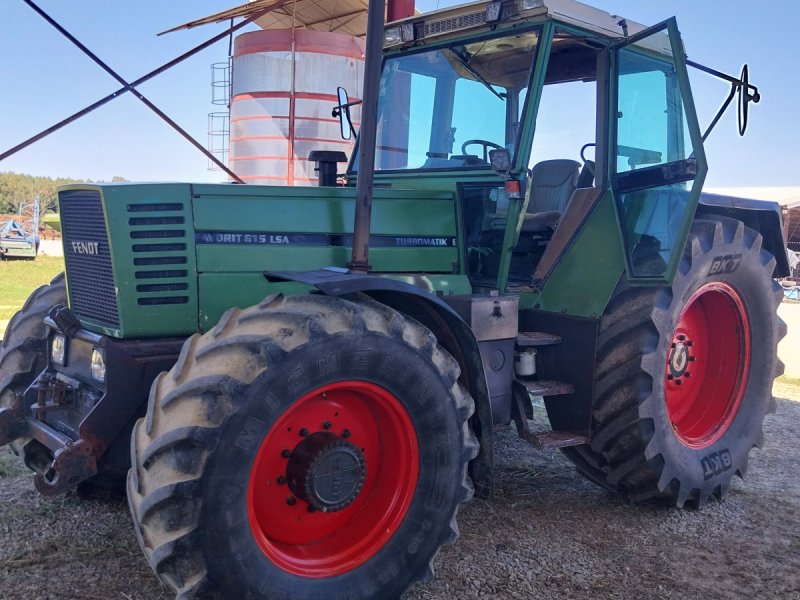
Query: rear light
[[513, 189]]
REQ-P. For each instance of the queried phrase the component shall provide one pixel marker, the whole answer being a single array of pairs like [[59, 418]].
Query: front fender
[[453, 334]]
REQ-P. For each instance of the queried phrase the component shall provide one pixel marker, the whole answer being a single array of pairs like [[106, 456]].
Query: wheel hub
[[326, 471], [679, 359]]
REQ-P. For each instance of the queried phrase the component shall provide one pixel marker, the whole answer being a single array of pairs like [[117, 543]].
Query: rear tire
[[684, 374], [23, 351], [240, 435]]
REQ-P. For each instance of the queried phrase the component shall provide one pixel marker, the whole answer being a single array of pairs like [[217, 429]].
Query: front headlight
[[98, 365], [58, 349]]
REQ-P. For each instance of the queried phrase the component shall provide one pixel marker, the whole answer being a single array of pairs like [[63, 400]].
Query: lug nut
[[670, 377], [311, 508], [346, 433], [291, 501], [286, 453], [678, 382], [304, 432], [327, 425], [281, 480]]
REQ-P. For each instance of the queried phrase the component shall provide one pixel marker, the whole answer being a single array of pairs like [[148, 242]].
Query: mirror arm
[[741, 85]]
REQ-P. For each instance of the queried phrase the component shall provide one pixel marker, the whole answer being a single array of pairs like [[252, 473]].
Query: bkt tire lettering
[[716, 463], [725, 264]]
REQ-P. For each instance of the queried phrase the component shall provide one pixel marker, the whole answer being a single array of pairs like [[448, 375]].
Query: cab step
[[537, 338], [540, 439], [557, 439], [547, 388]]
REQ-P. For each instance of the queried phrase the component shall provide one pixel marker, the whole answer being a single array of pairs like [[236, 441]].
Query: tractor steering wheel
[[486, 145]]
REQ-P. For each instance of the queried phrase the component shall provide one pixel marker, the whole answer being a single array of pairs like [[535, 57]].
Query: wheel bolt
[[690, 343], [346, 433], [678, 382], [327, 425], [692, 359], [674, 345], [681, 337], [291, 501], [311, 508], [304, 432], [687, 374], [281, 480], [670, 377], [285, 453]]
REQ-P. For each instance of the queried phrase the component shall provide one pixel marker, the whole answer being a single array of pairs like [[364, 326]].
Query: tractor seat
[[552, 184]]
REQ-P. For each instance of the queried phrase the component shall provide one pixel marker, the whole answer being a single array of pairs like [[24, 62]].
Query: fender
[[450, 330], [764, 217]]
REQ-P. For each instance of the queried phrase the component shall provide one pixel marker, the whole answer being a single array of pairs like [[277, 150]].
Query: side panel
[[585, 277], [272, 228]]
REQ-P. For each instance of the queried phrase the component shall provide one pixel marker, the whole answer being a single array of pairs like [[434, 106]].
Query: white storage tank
[[283, 89]]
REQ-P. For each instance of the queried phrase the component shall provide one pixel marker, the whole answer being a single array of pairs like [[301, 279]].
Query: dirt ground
[[549, 533]]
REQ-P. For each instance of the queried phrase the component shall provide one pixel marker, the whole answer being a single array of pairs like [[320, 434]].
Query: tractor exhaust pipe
[[366, 141]]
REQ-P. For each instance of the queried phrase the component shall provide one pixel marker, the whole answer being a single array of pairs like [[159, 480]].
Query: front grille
[[147, 232], [88, 258]]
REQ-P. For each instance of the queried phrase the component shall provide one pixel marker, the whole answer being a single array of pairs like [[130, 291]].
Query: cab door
[[656, 159]]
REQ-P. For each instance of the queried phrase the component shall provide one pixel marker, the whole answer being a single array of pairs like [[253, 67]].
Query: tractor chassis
[[78, 427]]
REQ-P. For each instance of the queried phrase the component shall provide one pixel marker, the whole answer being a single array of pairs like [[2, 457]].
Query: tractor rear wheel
[[307, 447], [684, 374], [23, 351]]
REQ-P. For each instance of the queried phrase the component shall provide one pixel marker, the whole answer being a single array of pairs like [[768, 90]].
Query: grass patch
[[18, 278], [10, 464], [788, 380]]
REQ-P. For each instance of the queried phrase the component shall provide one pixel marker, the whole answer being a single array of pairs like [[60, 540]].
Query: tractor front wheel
[[684, 374], [23, 351], [308, 447]]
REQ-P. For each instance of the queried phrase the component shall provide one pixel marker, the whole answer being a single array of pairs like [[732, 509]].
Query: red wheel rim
[[325, 544], [707, 365]]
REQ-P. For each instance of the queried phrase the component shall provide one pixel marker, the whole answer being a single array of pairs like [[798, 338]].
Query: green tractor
[[295, 421]]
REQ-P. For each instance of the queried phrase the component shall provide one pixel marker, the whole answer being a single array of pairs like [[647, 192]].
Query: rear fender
[[764, 217], [453, 334]]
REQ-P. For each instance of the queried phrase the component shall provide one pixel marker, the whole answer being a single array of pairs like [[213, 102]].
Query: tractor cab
[[575, 114]]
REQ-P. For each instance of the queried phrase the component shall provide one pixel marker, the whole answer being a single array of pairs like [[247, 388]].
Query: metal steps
[[557, 439], [537, 338], [547, 388], [541, 439]]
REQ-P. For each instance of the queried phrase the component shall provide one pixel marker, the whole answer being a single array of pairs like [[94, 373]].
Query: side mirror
[[343, 112]]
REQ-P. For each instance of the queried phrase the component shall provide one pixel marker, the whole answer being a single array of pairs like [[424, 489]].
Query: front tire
[[307, 447], [684, 374], [23, 351]]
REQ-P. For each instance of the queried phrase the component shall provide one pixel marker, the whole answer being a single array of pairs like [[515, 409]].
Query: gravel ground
[[548, 533]]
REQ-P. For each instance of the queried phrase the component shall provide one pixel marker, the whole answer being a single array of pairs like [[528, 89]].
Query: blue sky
[[43, 79]]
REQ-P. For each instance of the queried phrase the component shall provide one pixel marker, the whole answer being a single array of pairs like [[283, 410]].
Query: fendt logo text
[[85, 248]]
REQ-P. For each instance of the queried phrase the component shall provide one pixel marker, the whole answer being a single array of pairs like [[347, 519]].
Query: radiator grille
[[88, 258], [146, 235]]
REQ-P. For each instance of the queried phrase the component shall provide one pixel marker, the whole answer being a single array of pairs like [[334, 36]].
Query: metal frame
[[130, 87]]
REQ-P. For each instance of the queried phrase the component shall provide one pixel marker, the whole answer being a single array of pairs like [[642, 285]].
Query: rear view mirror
[[343, 112]]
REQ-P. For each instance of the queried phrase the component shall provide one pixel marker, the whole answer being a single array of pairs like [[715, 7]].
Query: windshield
[[446, 108]]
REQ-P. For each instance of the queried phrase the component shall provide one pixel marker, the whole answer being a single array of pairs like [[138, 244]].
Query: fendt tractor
[[299, 386]]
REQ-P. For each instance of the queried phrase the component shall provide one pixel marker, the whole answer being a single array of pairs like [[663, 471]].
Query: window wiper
[[464, 62]]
